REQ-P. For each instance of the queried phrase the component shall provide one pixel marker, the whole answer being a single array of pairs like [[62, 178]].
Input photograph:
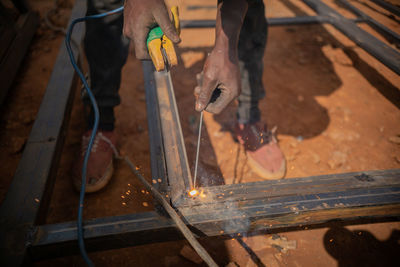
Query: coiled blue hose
[[81, 241]]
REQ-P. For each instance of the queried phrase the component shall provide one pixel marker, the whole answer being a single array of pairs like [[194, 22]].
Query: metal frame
[[16, 35], [389, 7], [226, 210]]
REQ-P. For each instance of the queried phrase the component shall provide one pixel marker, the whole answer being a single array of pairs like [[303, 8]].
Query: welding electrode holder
[[161, 48]]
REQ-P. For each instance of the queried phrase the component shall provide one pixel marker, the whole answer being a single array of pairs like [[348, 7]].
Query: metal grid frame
[[257, 207]]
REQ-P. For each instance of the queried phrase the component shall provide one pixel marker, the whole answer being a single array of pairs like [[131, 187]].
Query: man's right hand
[[142, 15], [221, 69]]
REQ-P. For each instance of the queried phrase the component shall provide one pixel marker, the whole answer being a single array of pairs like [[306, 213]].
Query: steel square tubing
[[284, 21], [238, 208], [177, 168], [157, 152], [390, 35], [384, 53], [389, 7]]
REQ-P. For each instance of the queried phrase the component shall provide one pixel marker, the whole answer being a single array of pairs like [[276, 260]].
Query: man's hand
[[140, 16], [222, 73], [221, 69]]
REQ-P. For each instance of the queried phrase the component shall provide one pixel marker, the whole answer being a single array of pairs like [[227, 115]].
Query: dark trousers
[[107, 50]]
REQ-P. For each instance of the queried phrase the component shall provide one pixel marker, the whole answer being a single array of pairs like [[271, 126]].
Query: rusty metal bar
[[378, 49], [389, 7], [390, 35], [250, 208], [178, 170]]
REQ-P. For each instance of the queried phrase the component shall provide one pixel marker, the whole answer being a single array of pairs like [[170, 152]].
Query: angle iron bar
[[389, 7], [390, 35], [382, 52]]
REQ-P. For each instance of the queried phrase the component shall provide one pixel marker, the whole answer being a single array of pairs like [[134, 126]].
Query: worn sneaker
[[100, 166], [262, 149]]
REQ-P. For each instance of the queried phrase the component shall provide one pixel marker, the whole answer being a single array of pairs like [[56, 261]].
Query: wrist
[[226, 46], [230, 16]]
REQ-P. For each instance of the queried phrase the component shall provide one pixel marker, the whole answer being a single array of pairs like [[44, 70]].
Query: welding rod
[[174, 216], [198, 149]]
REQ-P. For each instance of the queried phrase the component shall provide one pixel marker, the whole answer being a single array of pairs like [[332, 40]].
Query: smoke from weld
[[208, 176], [234, 220]]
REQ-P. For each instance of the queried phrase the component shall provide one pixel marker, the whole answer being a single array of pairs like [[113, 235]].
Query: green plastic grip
[[155, 33]]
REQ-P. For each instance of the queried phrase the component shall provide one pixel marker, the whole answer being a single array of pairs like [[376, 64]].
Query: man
[[235, 66]]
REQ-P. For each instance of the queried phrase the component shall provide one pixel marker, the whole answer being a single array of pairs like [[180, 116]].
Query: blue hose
[[81, 241]]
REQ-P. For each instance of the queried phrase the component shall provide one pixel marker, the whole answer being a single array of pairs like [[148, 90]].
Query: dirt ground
[[335, 106]]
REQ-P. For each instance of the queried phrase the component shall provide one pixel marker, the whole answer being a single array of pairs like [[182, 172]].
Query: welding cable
[[173, 214], [81, 242]]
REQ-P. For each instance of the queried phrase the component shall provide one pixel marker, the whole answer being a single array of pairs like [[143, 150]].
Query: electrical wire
[[81, 241]]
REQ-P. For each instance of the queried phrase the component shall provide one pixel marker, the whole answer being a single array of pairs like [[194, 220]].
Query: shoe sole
[[267, 175], [100, 184]]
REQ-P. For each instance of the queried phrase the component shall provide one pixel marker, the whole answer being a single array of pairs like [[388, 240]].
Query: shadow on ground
[[361, 248]]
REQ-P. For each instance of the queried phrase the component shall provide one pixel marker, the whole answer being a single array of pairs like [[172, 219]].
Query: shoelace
[[264, 136], [99, 136]]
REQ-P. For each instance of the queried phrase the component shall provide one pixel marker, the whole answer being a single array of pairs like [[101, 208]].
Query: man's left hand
[[220, 71]]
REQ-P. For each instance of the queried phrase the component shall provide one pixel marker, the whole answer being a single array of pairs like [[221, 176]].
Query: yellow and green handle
[[157, 40]]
